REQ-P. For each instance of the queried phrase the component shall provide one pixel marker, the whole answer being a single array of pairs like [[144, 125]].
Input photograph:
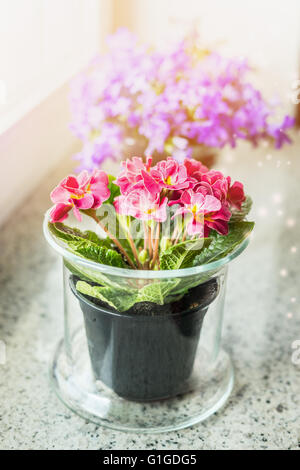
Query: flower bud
[[143, 256], [165, 243]]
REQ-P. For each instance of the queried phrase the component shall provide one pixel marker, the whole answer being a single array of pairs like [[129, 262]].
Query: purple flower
[[161, 95], [277, 132]]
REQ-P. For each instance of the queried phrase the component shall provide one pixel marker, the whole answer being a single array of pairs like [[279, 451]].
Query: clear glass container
[[151, 368]]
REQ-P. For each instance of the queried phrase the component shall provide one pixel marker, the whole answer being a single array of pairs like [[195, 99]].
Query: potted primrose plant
[[145, 263]]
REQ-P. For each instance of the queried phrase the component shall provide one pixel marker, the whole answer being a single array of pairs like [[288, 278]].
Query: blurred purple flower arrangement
[[169, 102]]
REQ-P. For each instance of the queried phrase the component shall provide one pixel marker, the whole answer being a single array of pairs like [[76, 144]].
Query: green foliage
[[184, 284], [114, 190], [123, 299], [119, 299], [94, 252], [119, 292], [182, 255], [88, 245], [93, 237], [70, 234], [118, 227], [156, 292], [90, 275], [222, 245]]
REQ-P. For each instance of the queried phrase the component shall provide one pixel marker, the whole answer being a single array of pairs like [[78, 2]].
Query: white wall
[[42, 44]]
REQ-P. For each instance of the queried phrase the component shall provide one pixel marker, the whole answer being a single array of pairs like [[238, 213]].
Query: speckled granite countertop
[[261, 322]]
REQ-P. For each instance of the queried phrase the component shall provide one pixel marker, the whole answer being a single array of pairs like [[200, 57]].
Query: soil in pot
[[148, 352]]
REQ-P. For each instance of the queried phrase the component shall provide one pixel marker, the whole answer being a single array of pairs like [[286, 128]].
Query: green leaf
[[182, 255], [186, 283], [156, 292], [93, 237], [69, 234], [119, 299], [88, 274], [100, 254], [117, 228], [123, 299], [114, 190], [240, 215], [222, 245], [64, 233], [88, 245]]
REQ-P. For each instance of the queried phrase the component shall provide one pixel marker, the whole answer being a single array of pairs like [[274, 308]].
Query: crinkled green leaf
[[156, 292], [124, 299], [115, 227], [186, 283], [97, 253], [240, 215], [88, 245], [183, 254], [93, 237], [119, 299], [69, 234], [222, 245]]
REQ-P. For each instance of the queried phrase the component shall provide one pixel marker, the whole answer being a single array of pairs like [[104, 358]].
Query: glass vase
[[157, 366]]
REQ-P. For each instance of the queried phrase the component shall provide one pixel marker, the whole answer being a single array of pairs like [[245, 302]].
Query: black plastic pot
[[148, 352]]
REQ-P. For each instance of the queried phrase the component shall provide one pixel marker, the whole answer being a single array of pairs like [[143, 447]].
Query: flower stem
[[145, 235], [175, 233], [133, 247], [129, 238], [155, 255], [178, 237], [150, 242], [146, 245]]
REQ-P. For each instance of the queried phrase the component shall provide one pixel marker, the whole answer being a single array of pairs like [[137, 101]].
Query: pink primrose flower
[[206, 211], [132, 173], [194, 168], [140, 203], [213, 182], [235, 195], [170, 174], [79, 193]]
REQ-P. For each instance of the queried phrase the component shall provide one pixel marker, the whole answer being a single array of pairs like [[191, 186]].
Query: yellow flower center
[[77, 196], [198, 217], [169, 181], [80, 196], [194, 209]]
